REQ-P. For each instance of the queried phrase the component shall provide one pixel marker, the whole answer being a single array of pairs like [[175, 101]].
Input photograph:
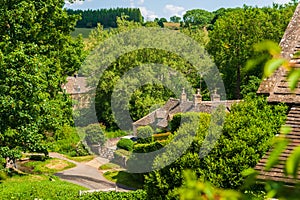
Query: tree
[[246, 135], [36, 54], [143, 97], [197, 17], [233, 36], [175, 19]]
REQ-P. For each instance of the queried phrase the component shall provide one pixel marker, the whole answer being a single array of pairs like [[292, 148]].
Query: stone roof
[[160, 117], [76, 85], [276, 86], [277, 173]]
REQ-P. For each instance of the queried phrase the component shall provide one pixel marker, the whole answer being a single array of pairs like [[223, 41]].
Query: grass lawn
[[124, 178], [82, 158], [108, 166], [50, 166], [38, 187]]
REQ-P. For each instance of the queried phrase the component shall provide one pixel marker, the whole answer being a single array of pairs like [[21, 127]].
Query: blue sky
[[167, 8]]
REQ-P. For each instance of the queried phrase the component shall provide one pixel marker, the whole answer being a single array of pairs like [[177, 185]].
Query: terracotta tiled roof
[[276, 87], [277, 173]]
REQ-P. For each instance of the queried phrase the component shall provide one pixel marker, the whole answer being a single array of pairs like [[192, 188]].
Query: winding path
[[87, 174]]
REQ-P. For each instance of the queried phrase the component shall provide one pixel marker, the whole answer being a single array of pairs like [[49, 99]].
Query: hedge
[[134, 195], [161, 136], [247, 134], [126, 144]]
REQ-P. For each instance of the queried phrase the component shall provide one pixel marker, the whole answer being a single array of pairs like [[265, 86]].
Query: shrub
[[247, 134], [134, 195], [94, 135], [144, 134], [161, 136], [126, 144], [181, 118], [67, 141], [146, 148]]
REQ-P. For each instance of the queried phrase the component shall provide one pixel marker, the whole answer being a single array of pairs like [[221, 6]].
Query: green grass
[[49, 166], [38, 187], [82, 158], [83, 31], [115, 134], [124, 178], [109, 166]]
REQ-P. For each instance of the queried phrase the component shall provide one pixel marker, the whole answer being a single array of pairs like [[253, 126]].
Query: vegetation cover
[[105, 17], [37, 53], [247, 135]]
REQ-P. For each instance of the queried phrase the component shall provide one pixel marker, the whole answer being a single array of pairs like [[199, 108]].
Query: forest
[[105, 17], [38, 120]]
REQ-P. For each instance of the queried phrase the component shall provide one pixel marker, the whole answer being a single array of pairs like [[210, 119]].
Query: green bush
[[247, 133], [145, 134], [67, 141], [94, 135], [146, 148], [161, 136], [126, 144], [181, 118], [134, 195]]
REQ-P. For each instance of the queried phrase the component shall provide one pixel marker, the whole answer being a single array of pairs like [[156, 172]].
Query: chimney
[[183, 96], [215, 96], [197, 98]]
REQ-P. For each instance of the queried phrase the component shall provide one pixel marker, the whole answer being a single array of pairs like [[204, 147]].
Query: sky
[[166, 8]]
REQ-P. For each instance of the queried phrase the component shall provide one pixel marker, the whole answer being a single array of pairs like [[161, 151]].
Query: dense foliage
[[94, 134], [106, 17], [126, 144], [135, 195], [147, 95], [247, 133], [145, 134], [233, 36], [36, 54]]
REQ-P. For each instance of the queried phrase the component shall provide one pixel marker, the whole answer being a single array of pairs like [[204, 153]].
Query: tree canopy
[[37, 53], [233, 36], [106, 17]]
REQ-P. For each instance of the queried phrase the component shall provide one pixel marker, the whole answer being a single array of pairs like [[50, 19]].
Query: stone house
[[161, 116], [77, 87]]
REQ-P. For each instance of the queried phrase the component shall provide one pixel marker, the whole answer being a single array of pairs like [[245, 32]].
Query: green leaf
[[285, 129], [293, 79], [293, 162], [269, 46], [273, 65]]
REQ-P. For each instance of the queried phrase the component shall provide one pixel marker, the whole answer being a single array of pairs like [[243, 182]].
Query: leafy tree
[[197, 17], [149, 94], [175, 19], [36, 54], [233, 36], [247, 134], [106, 17]]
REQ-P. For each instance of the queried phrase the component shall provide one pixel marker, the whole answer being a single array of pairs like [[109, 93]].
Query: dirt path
[[87, 174]]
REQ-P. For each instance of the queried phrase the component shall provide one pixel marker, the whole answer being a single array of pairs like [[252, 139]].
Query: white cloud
[[174, 10], [75, 2], [148, 14]]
